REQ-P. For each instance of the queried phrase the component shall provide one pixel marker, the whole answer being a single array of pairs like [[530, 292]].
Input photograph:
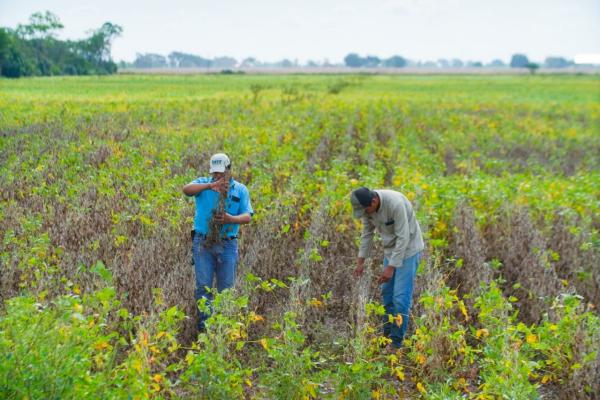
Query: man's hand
[[360, 269], [221, 185], [387, 274], [224, 218]]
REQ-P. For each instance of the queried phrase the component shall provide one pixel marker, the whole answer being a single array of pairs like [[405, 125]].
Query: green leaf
[[102, 271]]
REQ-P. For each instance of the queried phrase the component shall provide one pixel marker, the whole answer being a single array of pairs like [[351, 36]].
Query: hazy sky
[[317, 29]]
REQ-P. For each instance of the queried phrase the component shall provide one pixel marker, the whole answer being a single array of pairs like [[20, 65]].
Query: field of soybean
[[97, 287]]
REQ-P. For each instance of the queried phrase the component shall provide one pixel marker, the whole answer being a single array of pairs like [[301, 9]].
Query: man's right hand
[[221, 185], [360, 268]]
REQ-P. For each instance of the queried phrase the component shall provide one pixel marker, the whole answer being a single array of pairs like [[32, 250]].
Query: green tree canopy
[[33, 49], [519, 61]]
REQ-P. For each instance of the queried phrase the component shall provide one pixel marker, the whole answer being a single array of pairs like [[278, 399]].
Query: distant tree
[[285, 63], [474, 64], [497, 63], [124, 64], [249, 62], [40, 26], [224, 62], [353, 60], [4, 45], [456, 63], [395, 62], [556, 62], [184, 60], [33, 49], [532, 67], [327, 63], [443, 63], [371, 61], [519, 61], [96, 49], [173, 60], [150, 60], [12, 63], [312, 64]]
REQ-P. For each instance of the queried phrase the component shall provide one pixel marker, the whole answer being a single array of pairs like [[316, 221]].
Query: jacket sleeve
[[402, 232], [366, 239]]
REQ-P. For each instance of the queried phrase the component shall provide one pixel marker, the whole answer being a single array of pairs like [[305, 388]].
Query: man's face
[[218, 175], [373, 207]]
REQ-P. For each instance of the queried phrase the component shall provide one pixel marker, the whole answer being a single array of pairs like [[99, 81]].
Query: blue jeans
[[219, 260], [397, 297]]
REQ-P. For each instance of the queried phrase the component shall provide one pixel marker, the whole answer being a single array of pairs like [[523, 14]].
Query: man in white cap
[[391, 213], [218, 259]]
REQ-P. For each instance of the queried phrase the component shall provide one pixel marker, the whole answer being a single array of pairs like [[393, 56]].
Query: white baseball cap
[[219, 162]]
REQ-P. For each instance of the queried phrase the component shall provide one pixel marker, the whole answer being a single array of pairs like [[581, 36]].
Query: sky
[[271, 30]]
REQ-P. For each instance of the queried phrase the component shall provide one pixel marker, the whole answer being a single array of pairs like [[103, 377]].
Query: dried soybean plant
[[214, 227]]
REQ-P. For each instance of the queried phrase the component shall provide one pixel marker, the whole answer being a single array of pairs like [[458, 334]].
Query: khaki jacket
[[397, 225]]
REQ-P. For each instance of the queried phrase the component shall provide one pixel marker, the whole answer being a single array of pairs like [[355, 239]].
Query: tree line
[[178, 59], [352, 60], [33, 50]]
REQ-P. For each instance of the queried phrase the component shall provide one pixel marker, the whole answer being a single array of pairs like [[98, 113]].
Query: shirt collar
[[380, 202]]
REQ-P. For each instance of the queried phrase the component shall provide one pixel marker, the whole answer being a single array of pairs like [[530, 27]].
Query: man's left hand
[[387, 274], [224, 218]]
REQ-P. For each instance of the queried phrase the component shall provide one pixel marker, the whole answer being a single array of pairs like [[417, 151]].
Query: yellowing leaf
[[255, 317], [189, 358], [398, 371], [463, 310], [234, 334], [160, 334], [137, 365], [264, 344], [482, 332], [398, 320], [315, 303], [101, 345]]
